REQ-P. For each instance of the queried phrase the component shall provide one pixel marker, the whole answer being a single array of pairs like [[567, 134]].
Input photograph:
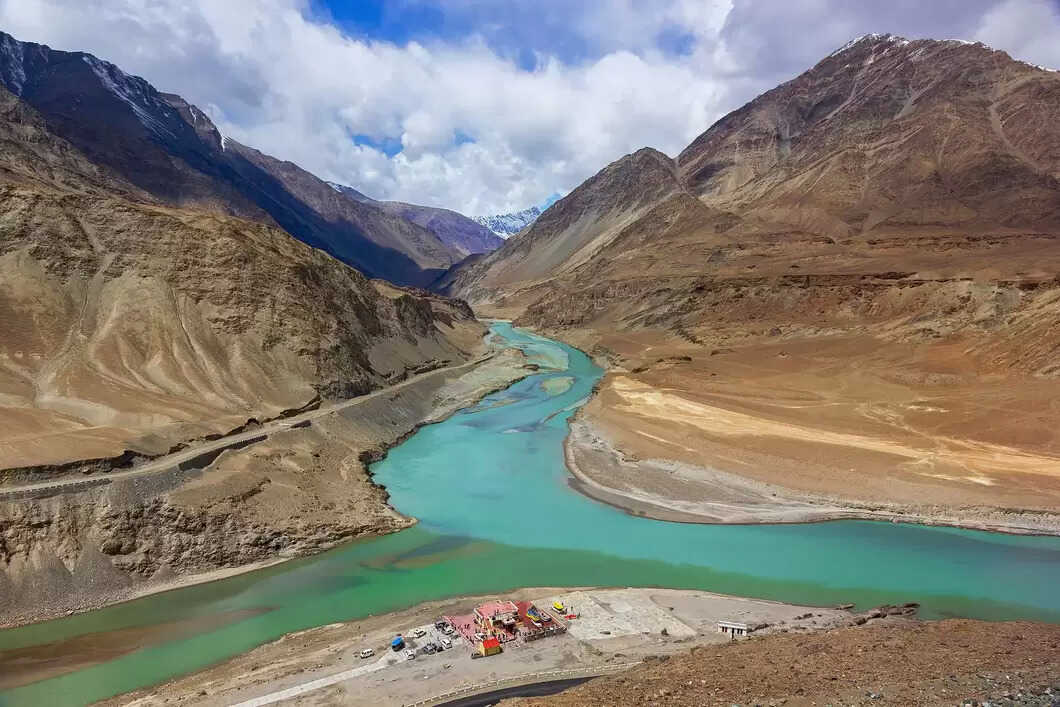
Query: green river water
[[490, 490]]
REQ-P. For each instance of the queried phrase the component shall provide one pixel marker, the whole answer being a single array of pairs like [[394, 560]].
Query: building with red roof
[[498, 618], [489, 646]]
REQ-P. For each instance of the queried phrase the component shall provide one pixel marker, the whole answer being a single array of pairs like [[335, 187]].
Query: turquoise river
[[490, 490]]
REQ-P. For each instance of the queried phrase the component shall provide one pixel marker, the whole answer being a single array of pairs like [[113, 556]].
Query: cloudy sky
[[487, 106]]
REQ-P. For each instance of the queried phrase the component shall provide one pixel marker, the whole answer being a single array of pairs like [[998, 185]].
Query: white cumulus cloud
[[1031, 28], [460, 121]]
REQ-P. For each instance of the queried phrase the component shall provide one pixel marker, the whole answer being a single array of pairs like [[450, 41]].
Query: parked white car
[[410, 654], [367, 653], [446, 643], [419, 633]]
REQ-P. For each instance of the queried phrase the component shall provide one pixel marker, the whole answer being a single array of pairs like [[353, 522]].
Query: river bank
[[299, 491], [616, 626], [722, 437], [490, 490], [679, 492]]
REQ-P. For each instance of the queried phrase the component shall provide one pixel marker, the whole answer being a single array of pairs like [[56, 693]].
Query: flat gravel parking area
[[616, 627], [432, 634], [606, 614]]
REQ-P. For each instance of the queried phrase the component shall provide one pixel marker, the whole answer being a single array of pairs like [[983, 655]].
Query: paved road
[[483, 699], [305, 687], [535, 689], [171, 460]]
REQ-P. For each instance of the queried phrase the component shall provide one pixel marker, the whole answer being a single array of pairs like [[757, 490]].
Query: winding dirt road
[[257, 434]]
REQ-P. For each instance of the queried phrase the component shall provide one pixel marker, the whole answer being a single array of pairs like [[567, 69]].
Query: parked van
[[367, 653]]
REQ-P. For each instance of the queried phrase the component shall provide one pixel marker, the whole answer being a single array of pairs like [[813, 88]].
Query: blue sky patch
[[389, 146], [552, 199], [462, 138], [514, 30], [397, 22]]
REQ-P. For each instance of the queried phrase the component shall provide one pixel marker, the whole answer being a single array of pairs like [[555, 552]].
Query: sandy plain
[[804, 430]]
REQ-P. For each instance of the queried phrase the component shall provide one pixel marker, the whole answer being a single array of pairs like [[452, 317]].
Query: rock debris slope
[[887, 662]]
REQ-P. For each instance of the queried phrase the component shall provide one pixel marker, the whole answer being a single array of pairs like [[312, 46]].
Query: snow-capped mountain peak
[[507, 225]]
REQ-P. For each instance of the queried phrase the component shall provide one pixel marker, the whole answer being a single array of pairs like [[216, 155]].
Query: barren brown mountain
[[900, 663], [841, 299], [125, 318], [170, 149], [132, 327]]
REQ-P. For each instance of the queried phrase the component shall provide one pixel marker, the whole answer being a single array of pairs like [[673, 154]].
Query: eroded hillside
[[890, 664], [128, 320], [868, 251], [132, 327]]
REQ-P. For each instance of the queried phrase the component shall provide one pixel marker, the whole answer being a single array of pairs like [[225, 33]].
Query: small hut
[[733, 628], [489, 646]]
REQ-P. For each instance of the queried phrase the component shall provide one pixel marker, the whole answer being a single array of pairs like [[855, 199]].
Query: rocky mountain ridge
[[880, 158], [143, 314], [465, 236], [171, 149], [131, 322], [462, 234], [890, 216]]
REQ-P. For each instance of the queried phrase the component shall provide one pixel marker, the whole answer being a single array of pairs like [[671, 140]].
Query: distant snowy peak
[[873, 37], [893, 40], [507, 225]]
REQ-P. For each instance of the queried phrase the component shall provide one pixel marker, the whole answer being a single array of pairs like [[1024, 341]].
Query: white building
[[733, 628]]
